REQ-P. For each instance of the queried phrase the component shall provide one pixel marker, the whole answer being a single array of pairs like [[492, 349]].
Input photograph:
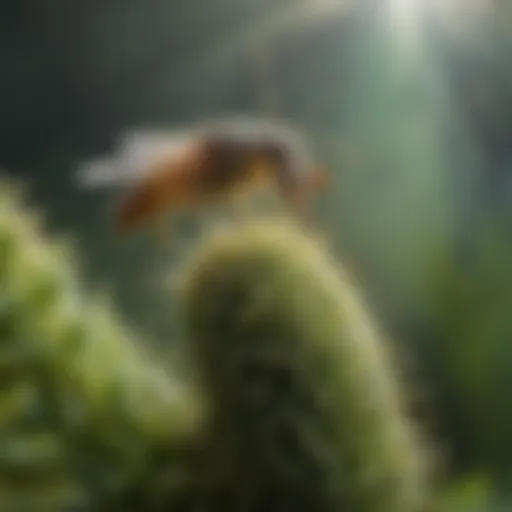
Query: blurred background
[[408, 104]]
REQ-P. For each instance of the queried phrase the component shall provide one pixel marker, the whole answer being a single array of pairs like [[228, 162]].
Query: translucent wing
[[133, 158]]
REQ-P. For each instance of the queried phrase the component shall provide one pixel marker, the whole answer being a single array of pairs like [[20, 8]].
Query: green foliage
[[82, 408], [473, 493], [301, 388], [472, 300], [469, 494]]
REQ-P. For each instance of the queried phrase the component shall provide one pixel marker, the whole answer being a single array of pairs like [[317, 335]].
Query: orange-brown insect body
[[221, 162], [168, 184]]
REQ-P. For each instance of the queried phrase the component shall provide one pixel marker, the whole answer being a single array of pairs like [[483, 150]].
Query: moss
[[296, 406], [303, 395], [75, 383]]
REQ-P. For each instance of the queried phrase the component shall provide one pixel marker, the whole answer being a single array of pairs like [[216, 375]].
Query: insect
[[216, 162]]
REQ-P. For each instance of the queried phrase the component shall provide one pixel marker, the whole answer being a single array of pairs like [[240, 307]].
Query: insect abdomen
[[141, 205]]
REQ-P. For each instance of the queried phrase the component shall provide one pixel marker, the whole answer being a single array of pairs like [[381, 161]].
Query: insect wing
[[133, 160]]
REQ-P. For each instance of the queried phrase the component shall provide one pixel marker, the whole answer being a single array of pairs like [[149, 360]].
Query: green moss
[[74, 378], [303, 395]]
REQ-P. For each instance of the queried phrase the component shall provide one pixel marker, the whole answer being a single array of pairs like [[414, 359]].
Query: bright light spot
[[404, 13], [405, 20]]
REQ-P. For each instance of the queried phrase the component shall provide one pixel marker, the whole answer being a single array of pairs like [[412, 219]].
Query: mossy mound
[[83, 409], [303, 396]]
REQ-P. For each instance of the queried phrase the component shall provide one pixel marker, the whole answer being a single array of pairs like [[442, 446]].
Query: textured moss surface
[[302, 390], [83, 410], [295, 404]]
